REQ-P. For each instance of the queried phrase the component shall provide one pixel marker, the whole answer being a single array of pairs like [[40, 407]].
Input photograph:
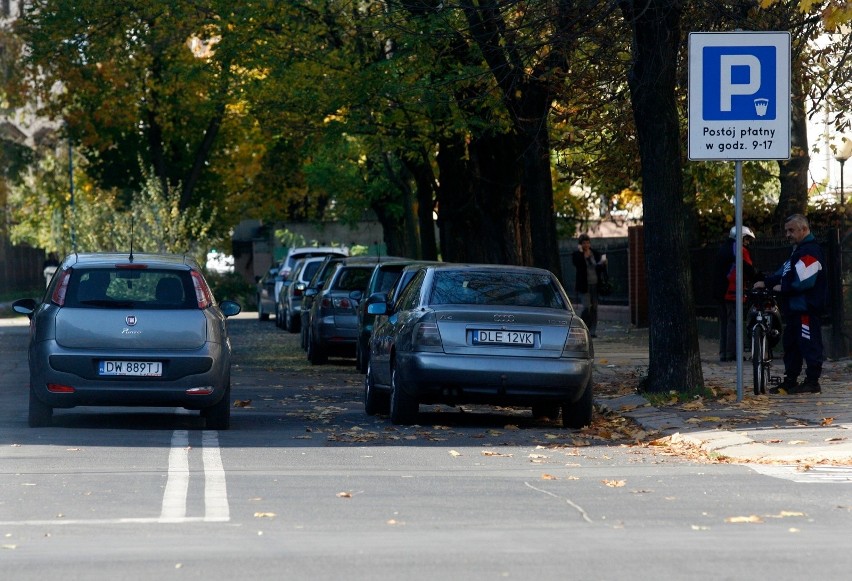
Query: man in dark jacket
[[591, 266], [804, 290]]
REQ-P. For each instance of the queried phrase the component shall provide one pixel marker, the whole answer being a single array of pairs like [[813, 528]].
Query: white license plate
[[134, 368], [523, 338]]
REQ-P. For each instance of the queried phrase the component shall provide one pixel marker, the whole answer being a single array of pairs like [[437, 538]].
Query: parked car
[[129, 330], [265, 294], [385, 277], [299, 252], [493, 334], [290, 298], [313, 287], [333, 321]]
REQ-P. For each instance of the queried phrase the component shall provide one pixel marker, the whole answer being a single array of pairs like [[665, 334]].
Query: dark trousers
[[802, 342], [589, 311]]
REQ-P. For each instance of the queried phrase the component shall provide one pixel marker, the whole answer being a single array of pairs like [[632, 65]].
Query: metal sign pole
[[738, 253]]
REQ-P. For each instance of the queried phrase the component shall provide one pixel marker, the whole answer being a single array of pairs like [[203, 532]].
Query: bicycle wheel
[[759, 350]]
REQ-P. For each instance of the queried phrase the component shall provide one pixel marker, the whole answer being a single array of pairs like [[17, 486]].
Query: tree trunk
[[675, 362], [793, 173]]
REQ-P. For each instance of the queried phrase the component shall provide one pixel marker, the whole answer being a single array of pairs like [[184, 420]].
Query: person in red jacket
[[749, 276]]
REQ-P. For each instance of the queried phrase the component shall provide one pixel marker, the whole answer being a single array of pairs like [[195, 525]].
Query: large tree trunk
[[675, 362], [793, 173]]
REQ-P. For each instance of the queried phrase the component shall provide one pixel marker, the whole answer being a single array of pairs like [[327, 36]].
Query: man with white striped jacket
[[803, 287]]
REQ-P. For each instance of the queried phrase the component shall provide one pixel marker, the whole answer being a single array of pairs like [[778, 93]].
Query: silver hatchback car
[[129, 330]]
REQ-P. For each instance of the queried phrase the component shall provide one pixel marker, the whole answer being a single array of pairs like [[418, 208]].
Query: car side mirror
[[25, 307], [311, 292], [377, 304], [230, 308]]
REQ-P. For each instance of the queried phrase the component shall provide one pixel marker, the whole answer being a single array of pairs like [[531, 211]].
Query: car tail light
[[131, 266], [202, 291], [577, 343], [59, 388], [61, 289], [345, 303], [297, 292], [426, 336]]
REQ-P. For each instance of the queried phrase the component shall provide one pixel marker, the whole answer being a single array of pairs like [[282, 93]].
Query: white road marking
[[216, 507], [815, 474], [173, 510], [177, 486]]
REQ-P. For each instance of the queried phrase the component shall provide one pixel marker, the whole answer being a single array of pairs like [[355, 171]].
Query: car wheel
[[260, 314], [374, 401], [290, 322], [545, 410], [218, 416], [578, 414], [41, 414], [279, 318], [316, 353], [403, 407]]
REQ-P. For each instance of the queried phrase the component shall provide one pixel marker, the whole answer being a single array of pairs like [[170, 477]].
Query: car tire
[[578, 414], [290, 322], [218, 416], [279, 318], [260, 314], [374, 401], [40, 414], [316, 353], [403, 407]]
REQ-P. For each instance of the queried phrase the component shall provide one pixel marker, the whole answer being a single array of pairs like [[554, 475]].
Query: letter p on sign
[[739, 75]]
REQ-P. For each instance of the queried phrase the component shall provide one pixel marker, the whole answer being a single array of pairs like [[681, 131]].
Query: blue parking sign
[[739, 83], [739, 95]]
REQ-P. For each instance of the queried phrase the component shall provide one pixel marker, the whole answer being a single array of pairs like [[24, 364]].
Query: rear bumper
[[194, 379], [439, 377]]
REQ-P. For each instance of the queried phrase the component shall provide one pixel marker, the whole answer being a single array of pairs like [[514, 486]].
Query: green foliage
[[231, 286]]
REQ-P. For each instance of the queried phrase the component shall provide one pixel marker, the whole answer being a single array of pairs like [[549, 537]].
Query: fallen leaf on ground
[[614, 483], [548, 477], [242, 403], [827, 421], [455, 454], [264, 515], [753, 519], [495, 454], [835, 439], [344, 495]]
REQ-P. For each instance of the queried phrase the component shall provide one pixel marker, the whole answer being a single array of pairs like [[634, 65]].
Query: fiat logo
[[130, 320]]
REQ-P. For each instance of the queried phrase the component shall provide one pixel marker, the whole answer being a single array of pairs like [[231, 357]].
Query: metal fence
[[767, 255]]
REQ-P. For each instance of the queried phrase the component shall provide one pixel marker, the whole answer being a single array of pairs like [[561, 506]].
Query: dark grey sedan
[[493, 334], [129, 330]]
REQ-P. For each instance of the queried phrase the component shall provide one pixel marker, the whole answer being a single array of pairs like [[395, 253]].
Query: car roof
[[110, 259]]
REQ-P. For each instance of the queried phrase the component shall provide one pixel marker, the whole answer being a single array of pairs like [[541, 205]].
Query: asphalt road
[[306, 486]]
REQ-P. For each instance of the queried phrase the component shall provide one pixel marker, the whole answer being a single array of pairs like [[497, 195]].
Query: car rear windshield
[[352, 278], [122, 288], [467, 287]]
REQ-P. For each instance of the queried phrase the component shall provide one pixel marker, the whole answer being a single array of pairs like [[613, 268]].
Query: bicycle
[[764, 324]]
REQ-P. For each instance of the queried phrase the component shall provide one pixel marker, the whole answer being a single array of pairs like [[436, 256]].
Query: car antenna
[[130, 258]]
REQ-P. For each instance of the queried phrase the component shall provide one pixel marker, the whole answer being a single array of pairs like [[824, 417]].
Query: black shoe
[[789, 385], [809, 386]]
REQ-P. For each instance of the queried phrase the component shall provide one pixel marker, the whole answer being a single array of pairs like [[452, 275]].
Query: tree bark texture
[[675, 362], [793, 172]]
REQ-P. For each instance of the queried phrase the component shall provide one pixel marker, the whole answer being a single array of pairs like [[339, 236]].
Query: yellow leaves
[[826, 421], [493, 454], [752, 519], [242, 403], [548, 477], [454, 454], [756, 519], [265, 515], [344, 495], [615, 483]]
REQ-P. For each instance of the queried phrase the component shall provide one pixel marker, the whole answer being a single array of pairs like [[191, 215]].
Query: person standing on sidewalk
[[591, 266], [801, 281], [725, 289]]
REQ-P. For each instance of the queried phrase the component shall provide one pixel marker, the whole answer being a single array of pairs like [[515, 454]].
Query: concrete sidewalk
[[802, 429]]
